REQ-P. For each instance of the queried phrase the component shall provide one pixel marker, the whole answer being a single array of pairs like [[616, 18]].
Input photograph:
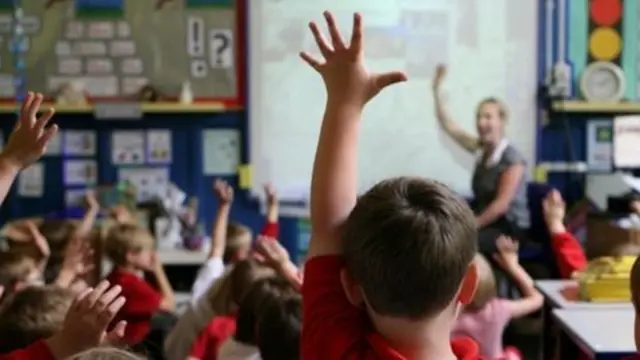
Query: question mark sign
[[223, 44]]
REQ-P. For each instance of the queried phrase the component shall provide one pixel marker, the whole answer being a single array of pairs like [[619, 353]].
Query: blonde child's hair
[[31, 314], [227, 293], [123, 239], [486, 289], [238, 237], [15, 267], [105, 353], [502, 108]]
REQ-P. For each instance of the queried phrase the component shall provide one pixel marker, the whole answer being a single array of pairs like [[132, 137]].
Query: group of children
[[392, 274]]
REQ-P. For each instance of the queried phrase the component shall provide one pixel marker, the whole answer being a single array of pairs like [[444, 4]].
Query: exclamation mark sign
[[195, 37]]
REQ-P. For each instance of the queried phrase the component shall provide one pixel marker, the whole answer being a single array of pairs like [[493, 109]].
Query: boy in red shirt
[[131, 249], [389, 271]]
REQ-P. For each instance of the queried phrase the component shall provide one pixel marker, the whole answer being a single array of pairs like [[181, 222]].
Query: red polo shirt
[[212, 337], [38, 350], [334, 329], [569, 254], [142, 303]]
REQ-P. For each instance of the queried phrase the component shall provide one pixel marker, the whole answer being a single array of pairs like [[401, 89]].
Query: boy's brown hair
[[123, 239], [32, 314], [254, 302], [486, 289], [238, 236], [408, 243], [15, 267], [279, 328], [226, 294]]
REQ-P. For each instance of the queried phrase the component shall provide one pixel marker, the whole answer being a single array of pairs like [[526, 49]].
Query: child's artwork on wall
[[127, 147], [31, 181], [159, 149], [79, 142], [80, 172], [148, 181], [221, 151], [54, 147], [74, 197]]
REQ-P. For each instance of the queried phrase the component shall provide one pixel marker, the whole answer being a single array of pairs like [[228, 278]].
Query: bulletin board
[[114, 47]]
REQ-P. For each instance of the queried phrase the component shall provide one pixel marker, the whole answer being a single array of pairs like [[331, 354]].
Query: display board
[[489, 47], [114, 47]]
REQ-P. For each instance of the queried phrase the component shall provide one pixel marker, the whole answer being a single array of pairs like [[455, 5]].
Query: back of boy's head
[[228, 293], [238, 240], [123, 239], [32, 314], [408, 244], [279, 327], [15, 268], [486, 289], [261, 293]]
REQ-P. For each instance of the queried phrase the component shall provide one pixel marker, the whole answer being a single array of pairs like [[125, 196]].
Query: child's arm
[[27, 142], [213, 268], [507, 258], [93, 209], [271, 226], [168, 302], [349, 87], [41, 244], [569, 254], [77, 261], [277, 257]]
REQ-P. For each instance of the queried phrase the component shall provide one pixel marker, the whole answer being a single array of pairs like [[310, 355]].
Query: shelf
[[578, 106], [147, 108], [182, 257]]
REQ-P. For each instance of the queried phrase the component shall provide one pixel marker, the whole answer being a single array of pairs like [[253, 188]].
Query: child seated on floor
[[231, 242], [487, 316], [131, 250]]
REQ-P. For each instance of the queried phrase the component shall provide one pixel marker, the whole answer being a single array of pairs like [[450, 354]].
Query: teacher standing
[[499, 180]]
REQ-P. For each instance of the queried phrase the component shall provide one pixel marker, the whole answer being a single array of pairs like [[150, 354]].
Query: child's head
[[18, 270], [486, 289], [259, 295], [238, 243], [635, 298], [129, 245], [279, 328], [409, 245], [105, 353], [227, 293], [32, 314]]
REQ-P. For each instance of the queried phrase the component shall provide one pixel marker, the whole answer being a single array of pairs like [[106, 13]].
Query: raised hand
[[223, 191], [30, 136], [271, 252], [86, 322], [507, 255], [78, 257], [438, 77], [92, 200], [271, 194], [343, 70], [553, 207], [39, 241]]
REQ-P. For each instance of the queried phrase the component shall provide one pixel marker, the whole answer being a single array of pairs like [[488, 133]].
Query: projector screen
[[489, 48]]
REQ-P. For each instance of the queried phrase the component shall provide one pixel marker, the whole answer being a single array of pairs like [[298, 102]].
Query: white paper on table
[[149, 182], [79, 142], [159, 148], [31, 181], [221, 151], [54, 147], [127, 147], [80, 172], [626, 141]]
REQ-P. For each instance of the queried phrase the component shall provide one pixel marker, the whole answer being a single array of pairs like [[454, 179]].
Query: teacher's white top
[[600, 330]]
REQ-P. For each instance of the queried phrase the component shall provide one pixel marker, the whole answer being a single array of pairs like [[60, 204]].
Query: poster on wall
[[159, 148], [148, 181], [599, 145], [31, 181], [54, 147], [80, 172], [127, 147], [626, 141], [221, 151], [79, 142]]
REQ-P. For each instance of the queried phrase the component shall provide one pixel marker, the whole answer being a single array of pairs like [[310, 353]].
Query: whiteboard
[[490, 50]]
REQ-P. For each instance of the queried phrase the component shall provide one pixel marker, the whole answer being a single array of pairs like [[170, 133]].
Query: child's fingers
[[356, 34], [95, 295], [336, 37], [321, 41], [105, 316], [311, 61], [79, 300], [108, 297]]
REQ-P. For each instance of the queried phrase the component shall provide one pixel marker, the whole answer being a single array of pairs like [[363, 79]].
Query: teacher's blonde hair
[[502, 108]]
